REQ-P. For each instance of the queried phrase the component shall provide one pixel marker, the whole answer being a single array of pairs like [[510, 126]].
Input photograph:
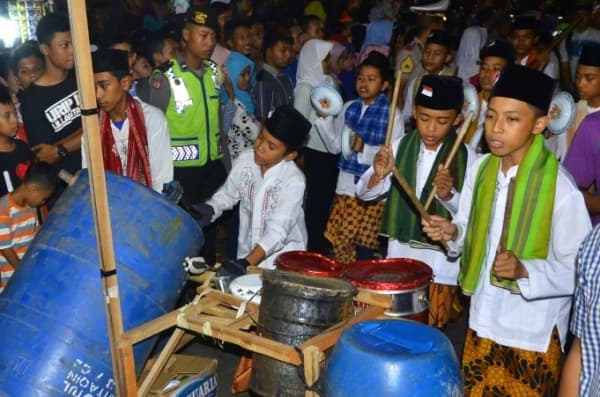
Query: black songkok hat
[[203, 16], [440, 93], [498, 48], [289, 126], [590, 54], [440, 37], [110, 60], [525, 22], [525, 84]]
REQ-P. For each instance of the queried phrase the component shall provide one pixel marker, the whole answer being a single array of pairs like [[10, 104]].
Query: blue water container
[[52, 313], [393, 358]]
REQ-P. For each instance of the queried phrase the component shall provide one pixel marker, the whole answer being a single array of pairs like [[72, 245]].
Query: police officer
[[187, 89]]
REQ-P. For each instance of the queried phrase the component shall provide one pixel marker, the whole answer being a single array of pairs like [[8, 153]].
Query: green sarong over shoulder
[[401, 220], [530, 219]]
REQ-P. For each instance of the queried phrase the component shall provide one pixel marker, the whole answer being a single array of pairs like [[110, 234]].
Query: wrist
[[61, 151]]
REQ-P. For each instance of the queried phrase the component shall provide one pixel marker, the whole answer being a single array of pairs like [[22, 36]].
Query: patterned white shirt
[[271, 213]]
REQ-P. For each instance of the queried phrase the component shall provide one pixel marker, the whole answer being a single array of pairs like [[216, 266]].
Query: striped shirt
[[18, 226], [273, 89], [586, 313]]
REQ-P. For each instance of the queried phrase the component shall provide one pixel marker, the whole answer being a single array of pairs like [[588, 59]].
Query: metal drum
[[308, 263], [392, 358], [405, 280], [293, 309], [52, 313]]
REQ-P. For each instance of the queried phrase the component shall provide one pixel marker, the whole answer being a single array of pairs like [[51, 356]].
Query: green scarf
[[530, 218], [401, 220]]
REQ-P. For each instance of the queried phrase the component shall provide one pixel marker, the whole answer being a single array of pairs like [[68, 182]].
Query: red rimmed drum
[[309, 264], [405, 280]]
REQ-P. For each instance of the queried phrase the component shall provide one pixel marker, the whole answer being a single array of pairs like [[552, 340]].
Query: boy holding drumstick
[[518, 259], [419, 157]]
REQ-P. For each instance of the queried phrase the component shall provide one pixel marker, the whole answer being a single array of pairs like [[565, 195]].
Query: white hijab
[[310, 70]]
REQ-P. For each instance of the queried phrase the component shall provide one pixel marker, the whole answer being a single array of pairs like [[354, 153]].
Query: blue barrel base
[[52, 313]]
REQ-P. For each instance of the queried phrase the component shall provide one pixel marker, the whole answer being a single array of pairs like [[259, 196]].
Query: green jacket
[[193, 115]]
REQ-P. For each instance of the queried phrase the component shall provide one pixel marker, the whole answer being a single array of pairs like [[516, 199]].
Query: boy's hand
[[383, 161], [46, 153], [508, 266], [439, 229], [443, 182]]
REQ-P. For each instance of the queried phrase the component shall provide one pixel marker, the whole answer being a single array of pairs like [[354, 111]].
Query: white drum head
[[326, 100], [347, 135], [247, 287], [562, 112], [471, 101]]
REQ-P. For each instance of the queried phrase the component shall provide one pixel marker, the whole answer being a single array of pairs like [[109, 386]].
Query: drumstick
[[461, 135], [392, 116], [414, 200]]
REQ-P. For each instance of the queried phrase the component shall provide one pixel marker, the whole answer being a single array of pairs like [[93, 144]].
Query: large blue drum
[[52, 314], [393, 358]]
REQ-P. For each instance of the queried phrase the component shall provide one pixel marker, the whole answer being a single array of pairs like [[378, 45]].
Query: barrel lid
[[388, 274], [309, 263], [307, 285]]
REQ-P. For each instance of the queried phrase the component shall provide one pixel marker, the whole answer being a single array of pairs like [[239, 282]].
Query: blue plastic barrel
[[393, 358], [52, 313]]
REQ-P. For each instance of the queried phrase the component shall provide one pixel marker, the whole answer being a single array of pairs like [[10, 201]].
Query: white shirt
[[526, 321], [471, 42], [159, 145], [445, 270], [330, 130], [271, 213]]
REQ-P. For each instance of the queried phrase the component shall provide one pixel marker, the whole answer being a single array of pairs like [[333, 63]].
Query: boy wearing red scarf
[[134, 135]]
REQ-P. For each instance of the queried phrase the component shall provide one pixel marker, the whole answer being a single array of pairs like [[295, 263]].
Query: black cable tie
[[89, 112], [107, 273]]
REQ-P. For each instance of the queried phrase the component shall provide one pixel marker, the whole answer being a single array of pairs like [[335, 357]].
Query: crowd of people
[[219, 99]]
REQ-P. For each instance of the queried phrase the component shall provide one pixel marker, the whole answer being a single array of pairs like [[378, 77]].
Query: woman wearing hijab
[[239, 123], [320, 166]]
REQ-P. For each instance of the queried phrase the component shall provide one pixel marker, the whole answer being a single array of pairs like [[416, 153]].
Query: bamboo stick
[[392, 115], [414, 200], [122, 358]]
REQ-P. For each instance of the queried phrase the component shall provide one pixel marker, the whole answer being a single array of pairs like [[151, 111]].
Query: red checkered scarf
[[138, 165]]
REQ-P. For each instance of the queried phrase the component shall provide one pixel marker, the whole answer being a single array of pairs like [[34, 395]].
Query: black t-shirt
[[14, 165], [51, 113]]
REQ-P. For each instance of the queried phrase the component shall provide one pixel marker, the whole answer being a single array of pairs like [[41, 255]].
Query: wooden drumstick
[[414, 200], [459, 139], [392, 115]]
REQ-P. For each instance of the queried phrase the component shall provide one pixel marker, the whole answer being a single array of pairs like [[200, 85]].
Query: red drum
[[309, 264], [406, 280]]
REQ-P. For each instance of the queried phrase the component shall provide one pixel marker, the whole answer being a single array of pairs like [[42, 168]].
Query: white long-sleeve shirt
[[526, 320], [271, 213], [445, 270], [159, 145], [330, 129]]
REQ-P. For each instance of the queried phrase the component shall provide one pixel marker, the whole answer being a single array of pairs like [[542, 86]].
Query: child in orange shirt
[[18, 217]]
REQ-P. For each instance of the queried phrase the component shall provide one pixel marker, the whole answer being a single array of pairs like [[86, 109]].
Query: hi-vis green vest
[[193, 121]]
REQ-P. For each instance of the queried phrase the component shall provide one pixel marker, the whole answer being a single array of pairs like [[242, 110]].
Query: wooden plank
[[122, 358], [248, 341], [374, 299], [329, 337], [160, 362], [149, 329]]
